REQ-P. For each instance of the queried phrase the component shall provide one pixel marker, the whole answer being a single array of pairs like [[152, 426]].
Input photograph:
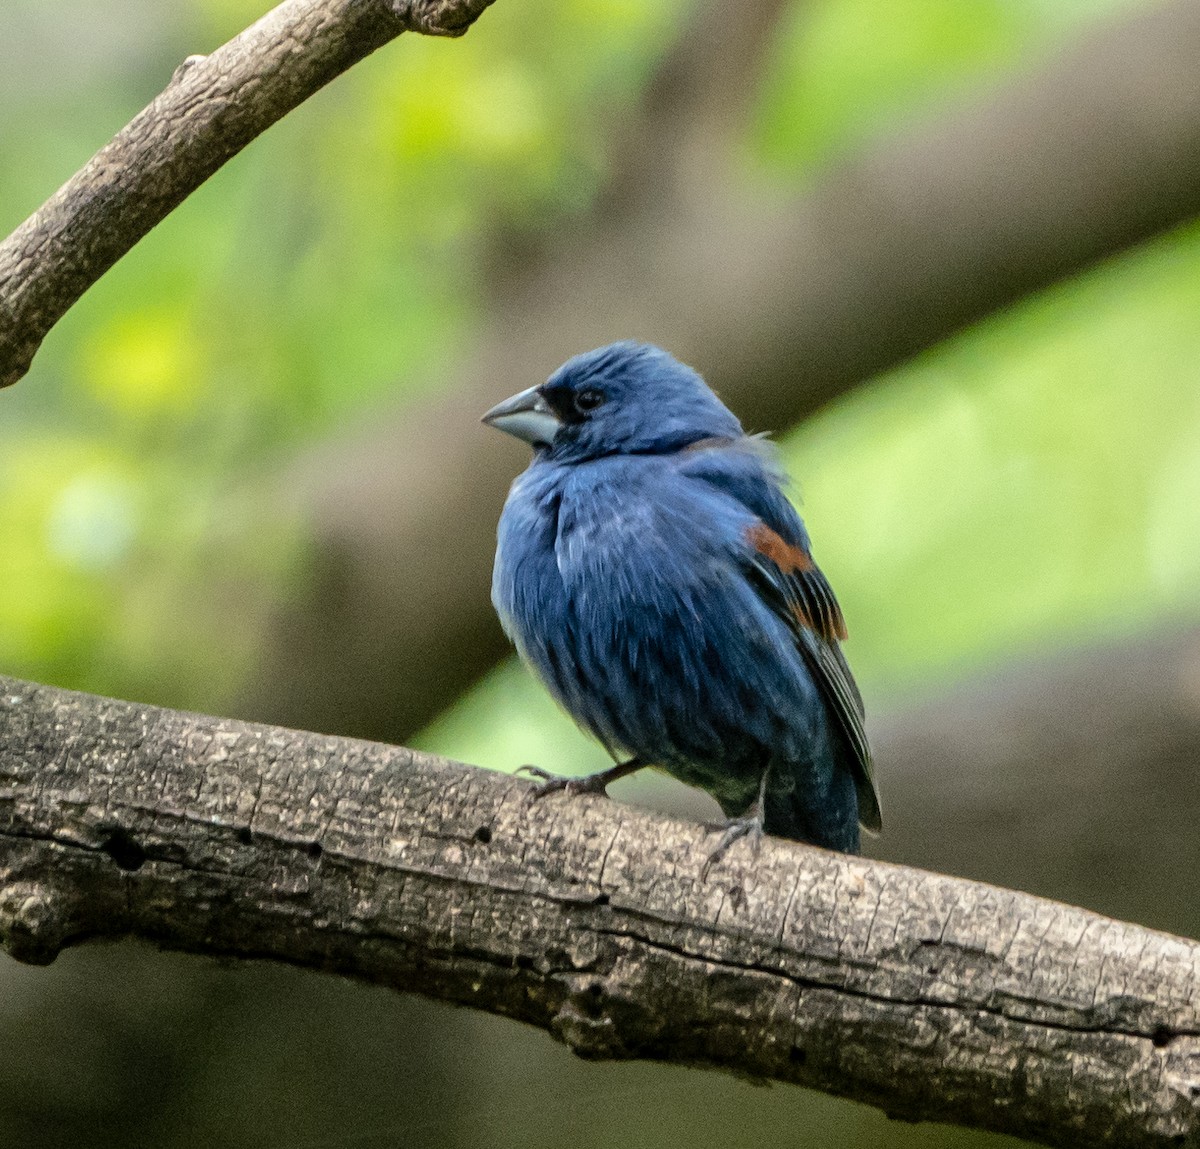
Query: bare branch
[[212, 108], [933, 997]]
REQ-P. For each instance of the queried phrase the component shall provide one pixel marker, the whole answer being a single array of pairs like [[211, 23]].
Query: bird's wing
[[783, 572], [792, 584]]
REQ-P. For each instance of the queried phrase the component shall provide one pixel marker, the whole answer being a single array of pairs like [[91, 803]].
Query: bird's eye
[[589, 399]]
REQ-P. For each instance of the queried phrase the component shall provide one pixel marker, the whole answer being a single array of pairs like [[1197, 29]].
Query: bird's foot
[[596, 783], [552, 783], [747, 826]]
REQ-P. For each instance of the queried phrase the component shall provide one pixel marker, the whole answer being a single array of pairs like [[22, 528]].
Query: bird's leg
[[596, 783], [749, 824]]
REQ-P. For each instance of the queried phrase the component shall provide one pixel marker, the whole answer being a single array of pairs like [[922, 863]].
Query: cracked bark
[[933, 997], [212, 108]]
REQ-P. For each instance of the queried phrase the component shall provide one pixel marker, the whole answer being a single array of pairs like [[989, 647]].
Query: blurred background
[[940, 247]]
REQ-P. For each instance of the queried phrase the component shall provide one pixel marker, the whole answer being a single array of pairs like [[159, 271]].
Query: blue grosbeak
[[653, 574]]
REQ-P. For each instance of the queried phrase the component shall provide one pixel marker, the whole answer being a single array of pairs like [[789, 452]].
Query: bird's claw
[[748, 826], [553, 783]]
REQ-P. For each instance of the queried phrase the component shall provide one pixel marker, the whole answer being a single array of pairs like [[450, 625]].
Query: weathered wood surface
[[212, 108], [930, 996]]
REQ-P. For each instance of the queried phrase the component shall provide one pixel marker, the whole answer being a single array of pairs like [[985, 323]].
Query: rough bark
[[783, 305], [933, 997], [212, 108]]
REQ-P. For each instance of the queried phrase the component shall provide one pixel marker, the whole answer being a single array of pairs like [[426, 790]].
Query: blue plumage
[[652, 573]]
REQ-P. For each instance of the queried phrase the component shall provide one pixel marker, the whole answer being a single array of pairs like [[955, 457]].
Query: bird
[[653, 574]]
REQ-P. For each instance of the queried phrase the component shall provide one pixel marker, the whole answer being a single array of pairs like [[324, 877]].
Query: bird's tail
[[818, 805]]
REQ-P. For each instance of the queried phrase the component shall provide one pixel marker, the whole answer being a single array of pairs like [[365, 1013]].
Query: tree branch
[[212, 108], [933, 997]]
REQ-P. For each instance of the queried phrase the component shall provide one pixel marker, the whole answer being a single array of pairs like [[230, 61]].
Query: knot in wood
[[188, 64], [586, 1029], [439, 17], [31, 929]]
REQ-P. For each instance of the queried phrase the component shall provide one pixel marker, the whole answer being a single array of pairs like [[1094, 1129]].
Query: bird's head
[[623, 399]]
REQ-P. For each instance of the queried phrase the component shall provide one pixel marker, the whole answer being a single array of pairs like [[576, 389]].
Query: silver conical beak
[[526, 416]]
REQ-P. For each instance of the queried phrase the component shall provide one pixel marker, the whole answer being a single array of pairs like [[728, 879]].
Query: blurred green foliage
[[1030, 480], [336, 264], [1016, 484], [1031, 483], [847, 70], [1035, 480], [329, 267]]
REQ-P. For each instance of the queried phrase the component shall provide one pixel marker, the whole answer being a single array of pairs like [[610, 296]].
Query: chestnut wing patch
[[791, 569]]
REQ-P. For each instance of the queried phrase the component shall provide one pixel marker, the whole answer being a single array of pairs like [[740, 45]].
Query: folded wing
[[796, 590]]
